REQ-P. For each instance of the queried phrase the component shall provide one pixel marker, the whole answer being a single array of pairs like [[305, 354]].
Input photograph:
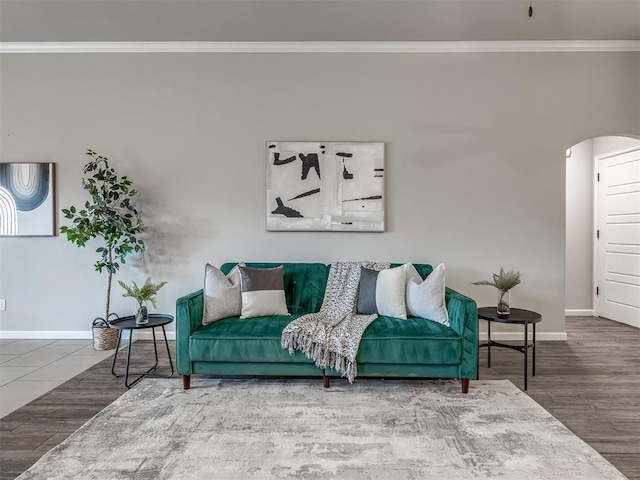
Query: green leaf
[[106, 216], [503, 281], [143, 294]]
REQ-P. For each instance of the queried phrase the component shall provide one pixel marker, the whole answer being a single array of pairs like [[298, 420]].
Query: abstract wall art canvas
[[26, 199], [325, 186]]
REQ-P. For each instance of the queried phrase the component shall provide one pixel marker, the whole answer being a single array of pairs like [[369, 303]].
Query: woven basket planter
[[104, 337]]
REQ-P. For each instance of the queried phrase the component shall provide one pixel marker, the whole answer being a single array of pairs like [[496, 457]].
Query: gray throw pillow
[[221, 294], [367, 291], [262, 292]]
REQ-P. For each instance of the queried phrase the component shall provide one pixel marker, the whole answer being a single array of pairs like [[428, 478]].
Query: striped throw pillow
[[262, 292], [382, 292]]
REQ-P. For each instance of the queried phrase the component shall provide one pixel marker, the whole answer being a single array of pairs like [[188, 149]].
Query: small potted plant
[[143, 294], [503, 281]]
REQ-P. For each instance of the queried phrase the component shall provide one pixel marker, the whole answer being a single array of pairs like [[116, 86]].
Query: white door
[[618, 246]]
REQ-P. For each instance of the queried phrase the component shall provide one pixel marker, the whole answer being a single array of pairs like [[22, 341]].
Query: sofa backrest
[[304, 284], [424, 269]]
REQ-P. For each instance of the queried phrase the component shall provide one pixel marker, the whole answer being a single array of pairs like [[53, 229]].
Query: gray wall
[[316, 20], [579, 235], [580, 229], [475, 162]]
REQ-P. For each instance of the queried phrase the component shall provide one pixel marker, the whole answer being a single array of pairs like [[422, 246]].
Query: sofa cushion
[[243, 340], [386, 340], [304, 284], [414, 340]]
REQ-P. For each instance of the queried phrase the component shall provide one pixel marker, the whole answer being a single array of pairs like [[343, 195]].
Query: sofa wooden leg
[[186, 382], [465, 385], [325, 381]]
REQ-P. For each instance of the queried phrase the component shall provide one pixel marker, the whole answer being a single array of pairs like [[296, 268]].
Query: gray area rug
[[373, 429]]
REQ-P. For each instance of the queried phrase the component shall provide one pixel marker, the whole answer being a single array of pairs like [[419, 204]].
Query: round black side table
[[129, 323], [517, 316]]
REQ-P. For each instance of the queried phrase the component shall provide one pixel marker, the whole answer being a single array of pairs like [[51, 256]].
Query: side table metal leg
[[115, 355], [533, 351], [526, 353], [126, 372], [155, 348], [166, 343], [489, 344]]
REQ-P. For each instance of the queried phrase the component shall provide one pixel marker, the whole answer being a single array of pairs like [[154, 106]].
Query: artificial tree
[[109, 217]]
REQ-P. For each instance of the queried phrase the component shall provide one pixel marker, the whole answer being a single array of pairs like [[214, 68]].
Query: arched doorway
[[584, 260]]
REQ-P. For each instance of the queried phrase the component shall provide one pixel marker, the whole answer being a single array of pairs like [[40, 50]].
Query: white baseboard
[[73, 335], [146, 335], [517, 337], [579, 313], [46, 335]]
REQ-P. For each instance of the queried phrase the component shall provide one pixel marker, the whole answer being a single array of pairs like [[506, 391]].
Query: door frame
[[596, 206]]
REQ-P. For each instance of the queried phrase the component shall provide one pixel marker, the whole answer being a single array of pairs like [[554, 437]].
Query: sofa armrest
[[463, 318], [188, 319]]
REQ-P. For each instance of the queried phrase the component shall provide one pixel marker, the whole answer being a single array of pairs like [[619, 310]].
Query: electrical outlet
[[3, 304]]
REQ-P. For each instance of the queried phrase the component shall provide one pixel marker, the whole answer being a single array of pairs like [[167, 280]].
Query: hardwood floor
[[590, 383]]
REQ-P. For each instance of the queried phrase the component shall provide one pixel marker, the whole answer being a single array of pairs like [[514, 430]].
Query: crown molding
[[323, 47]]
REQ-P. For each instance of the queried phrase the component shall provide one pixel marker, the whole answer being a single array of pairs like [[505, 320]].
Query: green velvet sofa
[[390, 347]]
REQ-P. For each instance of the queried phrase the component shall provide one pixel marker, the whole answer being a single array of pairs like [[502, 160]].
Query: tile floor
[[30, 368]]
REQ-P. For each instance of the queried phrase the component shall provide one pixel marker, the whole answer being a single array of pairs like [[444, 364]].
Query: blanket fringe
[[320, 353]]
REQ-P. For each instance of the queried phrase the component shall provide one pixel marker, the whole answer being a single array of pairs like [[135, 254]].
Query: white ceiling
[[317, 20]]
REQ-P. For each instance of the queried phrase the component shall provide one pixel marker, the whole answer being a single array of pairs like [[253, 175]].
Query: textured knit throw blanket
[[332, 336]]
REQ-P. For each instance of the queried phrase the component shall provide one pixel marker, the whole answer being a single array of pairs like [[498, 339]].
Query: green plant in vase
[[504, 282], [143, 294], [110, 217]]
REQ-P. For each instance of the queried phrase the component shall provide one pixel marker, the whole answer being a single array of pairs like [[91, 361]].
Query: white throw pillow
[[222, 297], [390, 292], [425, 299]]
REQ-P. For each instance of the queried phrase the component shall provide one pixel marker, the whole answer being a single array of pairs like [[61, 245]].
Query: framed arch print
[[27, 200]]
